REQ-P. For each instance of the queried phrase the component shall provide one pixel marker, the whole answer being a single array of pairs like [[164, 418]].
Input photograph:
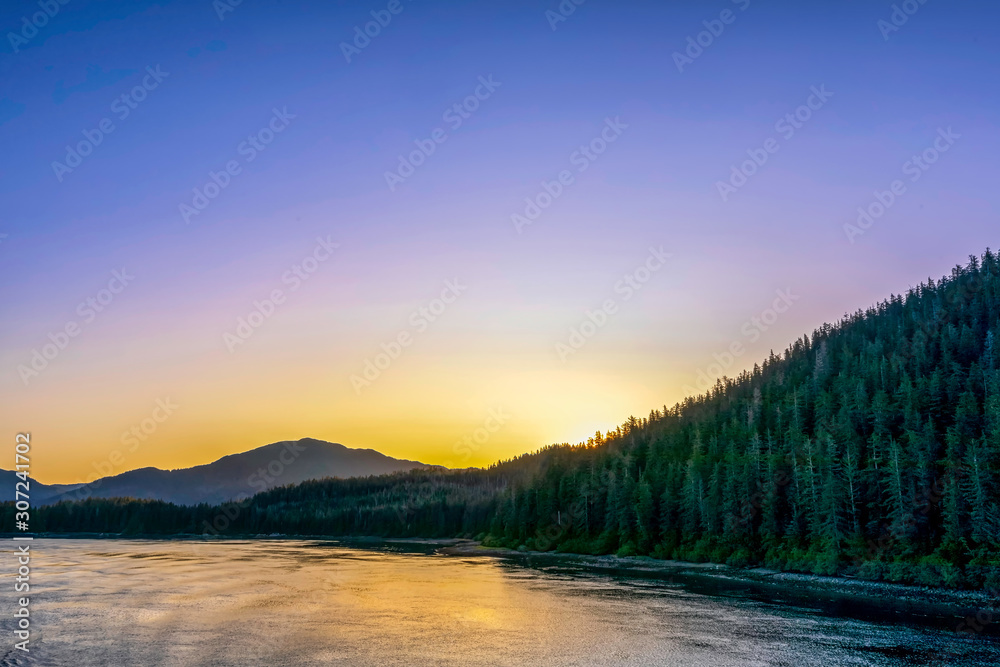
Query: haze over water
[[165, 603]]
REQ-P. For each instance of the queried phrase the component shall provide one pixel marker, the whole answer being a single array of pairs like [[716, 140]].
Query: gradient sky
[[323, 176]]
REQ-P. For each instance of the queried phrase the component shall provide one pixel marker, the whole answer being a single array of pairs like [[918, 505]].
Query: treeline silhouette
[[869, 449]]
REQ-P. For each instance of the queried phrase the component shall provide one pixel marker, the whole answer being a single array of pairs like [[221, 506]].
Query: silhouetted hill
[[38, 492], [236, 475]]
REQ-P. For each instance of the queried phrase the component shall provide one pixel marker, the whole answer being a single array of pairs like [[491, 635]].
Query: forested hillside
[[870, 448]]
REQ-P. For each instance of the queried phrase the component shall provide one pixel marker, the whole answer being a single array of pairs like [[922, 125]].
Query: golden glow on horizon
[[438, 403], [452, 425]]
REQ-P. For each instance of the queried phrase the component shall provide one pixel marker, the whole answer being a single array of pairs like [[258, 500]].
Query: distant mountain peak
[[237, 475]]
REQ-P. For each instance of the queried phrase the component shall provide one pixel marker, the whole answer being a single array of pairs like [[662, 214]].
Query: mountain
[[234, 476], [39, 493]]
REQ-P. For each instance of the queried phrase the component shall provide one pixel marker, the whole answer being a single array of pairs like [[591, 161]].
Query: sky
[[456, 232]]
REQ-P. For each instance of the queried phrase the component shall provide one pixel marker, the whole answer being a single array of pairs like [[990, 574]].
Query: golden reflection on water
[[133, 602]]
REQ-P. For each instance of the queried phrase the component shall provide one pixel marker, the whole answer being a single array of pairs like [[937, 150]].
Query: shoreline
[[907, 598]]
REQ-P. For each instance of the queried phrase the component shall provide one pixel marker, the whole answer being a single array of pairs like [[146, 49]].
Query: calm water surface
[[247, 604]]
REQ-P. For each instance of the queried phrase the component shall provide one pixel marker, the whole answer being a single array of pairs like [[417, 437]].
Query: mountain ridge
[[232, 476]]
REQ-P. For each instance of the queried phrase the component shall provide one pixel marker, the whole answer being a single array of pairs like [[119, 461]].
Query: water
[[255, 603]]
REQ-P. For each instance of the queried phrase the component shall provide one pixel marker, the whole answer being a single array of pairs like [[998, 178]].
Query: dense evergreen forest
[[869, 449]]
